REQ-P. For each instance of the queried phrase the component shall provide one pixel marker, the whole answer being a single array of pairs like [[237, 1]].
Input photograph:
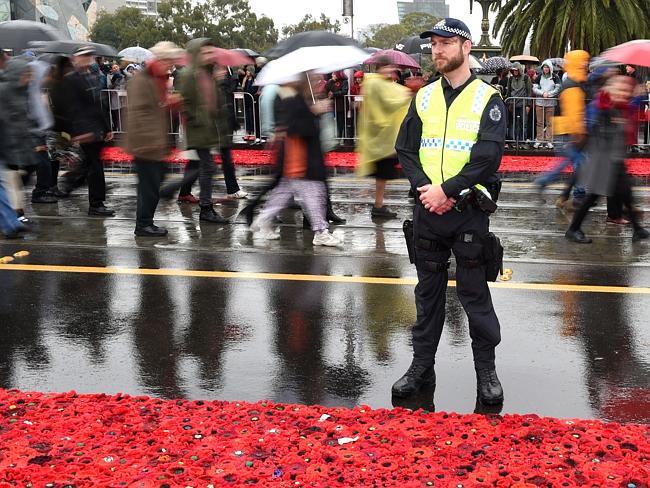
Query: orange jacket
[[572, 96]]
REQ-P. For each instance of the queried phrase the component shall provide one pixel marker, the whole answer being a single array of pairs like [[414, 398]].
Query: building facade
[[437, 8], [147, 7], [72, 17]]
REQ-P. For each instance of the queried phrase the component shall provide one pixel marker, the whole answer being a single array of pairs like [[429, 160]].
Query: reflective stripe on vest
[[449, 135]]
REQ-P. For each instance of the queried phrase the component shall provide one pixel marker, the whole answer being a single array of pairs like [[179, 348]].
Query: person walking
[[300, 164], [604, 172], [570, 122], [383, 108], [88, 126], [452, 139], [147, 138], [200, 88], [546, 88]]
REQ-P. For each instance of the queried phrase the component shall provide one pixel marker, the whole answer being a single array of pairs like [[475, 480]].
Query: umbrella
[[137, 54], [492, 65], [394, 57], [16, 34], [474, 63], [322, 59], [247, 52], [597, 62], [525, 58], [69, 47], [632, 52], [308, 39], [231, 57], [372, 50], [558, 63], [413, 45]]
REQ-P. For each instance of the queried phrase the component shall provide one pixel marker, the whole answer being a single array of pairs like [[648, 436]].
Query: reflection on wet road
[[146, 326]]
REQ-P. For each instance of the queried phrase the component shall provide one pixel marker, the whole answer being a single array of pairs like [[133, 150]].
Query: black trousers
[[92, 168], [622, 196], [436, 236], [192, 170], [150, 176]]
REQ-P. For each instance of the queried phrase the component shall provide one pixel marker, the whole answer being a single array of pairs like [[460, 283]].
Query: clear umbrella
[[136, 53], [321, 59]]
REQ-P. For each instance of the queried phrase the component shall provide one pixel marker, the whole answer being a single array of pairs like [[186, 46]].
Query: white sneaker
[[268, 234], [536, 145], [550, 145], [324, 238], [238, 195]]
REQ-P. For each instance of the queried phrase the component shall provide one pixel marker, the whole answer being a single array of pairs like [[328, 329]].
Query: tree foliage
[[555, 27], [230, 23], [309, 23], [385, 36]]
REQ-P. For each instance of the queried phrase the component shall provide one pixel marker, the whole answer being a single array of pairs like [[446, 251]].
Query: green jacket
[[205, 129]]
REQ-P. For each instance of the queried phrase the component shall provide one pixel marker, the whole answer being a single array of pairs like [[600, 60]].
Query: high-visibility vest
[[448, 135]]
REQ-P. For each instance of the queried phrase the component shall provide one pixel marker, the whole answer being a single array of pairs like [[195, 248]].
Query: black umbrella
[[16, 34], [69, 47], [413, 45], [492, 65], [308, 39]]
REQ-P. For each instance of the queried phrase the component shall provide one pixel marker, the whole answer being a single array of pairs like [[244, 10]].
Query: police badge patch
[[495, 114]]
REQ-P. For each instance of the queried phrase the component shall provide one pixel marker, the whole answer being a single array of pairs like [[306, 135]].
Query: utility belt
[[491, 256], [478, 198]]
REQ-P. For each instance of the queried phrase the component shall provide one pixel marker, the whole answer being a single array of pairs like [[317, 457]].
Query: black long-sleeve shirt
[[486, 153]]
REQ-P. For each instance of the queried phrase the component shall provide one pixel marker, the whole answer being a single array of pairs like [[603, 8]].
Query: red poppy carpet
[[259, 157], [70, 440]]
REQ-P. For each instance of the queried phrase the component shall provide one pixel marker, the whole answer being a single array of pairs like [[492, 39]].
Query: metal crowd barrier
[[522, 132]]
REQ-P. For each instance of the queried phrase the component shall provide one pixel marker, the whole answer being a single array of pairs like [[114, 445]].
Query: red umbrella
[[397, 58], [223, 57], [633, 52]]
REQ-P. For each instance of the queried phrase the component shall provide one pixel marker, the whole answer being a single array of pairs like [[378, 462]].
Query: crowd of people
[[85, 106]]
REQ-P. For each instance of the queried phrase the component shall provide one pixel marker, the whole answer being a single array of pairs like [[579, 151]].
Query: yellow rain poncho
[[384, 107]]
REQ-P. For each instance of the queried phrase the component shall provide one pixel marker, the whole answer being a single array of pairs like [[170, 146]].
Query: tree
[[555, 27], [230, 23], [309, 23], [386, 36], [128, 26]]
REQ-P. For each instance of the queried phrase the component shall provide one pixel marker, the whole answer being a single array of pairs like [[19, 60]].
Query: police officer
[[452, 139]]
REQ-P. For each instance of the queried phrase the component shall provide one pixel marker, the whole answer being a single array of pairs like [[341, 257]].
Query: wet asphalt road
[[584, 352]]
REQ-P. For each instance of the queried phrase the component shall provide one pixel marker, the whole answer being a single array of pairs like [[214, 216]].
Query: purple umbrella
[[397, 58]]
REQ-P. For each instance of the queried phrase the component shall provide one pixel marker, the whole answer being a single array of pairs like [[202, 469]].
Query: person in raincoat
[[546, 88], [385, 104], [202, 95]]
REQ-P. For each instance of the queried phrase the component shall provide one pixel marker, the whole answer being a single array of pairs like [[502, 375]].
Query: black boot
[[209, 214], [640, 234], [416, 376], [488, 387], [332, 217]]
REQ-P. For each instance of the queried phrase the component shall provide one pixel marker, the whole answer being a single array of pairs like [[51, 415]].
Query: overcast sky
[[366, 12]]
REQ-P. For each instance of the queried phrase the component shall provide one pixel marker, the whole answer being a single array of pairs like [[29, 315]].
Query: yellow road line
[[243, 275]]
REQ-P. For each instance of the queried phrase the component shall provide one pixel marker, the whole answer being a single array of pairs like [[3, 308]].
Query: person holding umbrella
[[149, 106], [384, 106]]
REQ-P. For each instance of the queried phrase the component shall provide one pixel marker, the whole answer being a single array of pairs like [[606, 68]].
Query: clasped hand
[[434, 199]]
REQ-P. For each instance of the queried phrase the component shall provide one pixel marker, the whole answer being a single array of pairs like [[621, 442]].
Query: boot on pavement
[[416, 376], [488, 387], [209, 214]]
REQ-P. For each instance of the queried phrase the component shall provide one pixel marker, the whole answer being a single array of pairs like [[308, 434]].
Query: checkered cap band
[[442, 25]]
